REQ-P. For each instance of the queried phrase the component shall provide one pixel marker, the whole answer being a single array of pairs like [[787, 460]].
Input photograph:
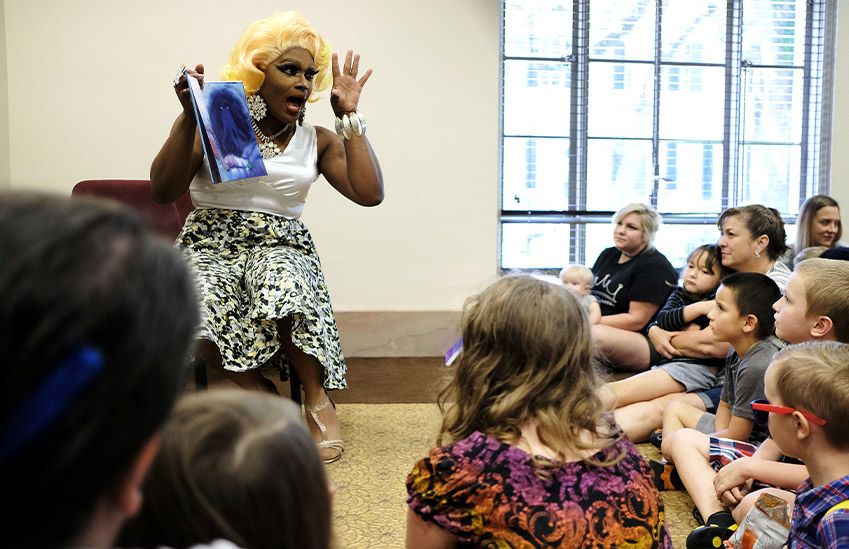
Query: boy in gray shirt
[[743, 317]]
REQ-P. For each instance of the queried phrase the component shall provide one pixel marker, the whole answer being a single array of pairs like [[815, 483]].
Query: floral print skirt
[[252, 269]]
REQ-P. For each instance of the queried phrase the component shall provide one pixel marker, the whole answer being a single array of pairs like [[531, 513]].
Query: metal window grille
[[733, 98]]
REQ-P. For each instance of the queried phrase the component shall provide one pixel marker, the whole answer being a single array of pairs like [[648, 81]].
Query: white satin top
[[282, 192]]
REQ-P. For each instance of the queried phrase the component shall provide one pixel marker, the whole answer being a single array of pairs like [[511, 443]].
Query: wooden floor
[[393, 380], [382, 380]]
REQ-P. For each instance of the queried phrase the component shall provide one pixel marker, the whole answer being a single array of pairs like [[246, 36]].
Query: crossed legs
[[689, 450], [640, 401], [308, 368]]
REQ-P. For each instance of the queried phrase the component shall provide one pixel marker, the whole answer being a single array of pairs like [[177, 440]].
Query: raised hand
[[345, 95]]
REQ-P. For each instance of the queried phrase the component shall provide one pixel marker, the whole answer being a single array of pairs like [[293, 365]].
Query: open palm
[[345, 95]]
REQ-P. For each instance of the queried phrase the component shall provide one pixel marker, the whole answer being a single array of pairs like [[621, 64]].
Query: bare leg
[[620, 348], [252, 380], [640, 419], [747, 502], [677, 416], [642, 387], [690, 452], [311, 372]]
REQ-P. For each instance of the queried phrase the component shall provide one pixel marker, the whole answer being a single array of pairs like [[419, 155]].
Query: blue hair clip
[[50, 398]]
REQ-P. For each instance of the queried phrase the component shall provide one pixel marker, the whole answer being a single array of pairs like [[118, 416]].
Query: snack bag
[[766, 526]]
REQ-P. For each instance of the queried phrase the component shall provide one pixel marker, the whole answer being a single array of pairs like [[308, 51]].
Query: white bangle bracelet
[[349, 124], [340, 128], [358, 123]]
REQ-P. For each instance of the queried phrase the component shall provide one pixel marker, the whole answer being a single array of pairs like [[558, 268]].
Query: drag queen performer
[[260, 279]]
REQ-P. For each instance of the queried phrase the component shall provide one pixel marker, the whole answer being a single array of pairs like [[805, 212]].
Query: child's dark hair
[[713, 259], [98, 319], [754, 294]]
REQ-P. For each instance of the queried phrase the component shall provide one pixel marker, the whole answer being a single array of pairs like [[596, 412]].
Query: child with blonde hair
[[807, 396], [527, 453], [814, 307], [578, 279]]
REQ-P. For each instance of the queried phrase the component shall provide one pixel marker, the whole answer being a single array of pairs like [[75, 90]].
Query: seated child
[[527, 455], [742, 317], [579, 280], [807, 396], [815, 307], [99, 317], [234, 465], [639, 399]]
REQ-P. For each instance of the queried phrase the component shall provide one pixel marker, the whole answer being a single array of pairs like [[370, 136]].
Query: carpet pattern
[[383, 441]]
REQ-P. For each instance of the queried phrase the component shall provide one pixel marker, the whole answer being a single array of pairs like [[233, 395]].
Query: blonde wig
[[265, 40], [526, 356]]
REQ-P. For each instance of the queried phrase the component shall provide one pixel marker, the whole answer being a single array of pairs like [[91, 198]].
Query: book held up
[[224, 124]]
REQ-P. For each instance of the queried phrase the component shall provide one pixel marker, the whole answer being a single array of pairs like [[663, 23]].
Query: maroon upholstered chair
[[164, 219], [167, 220]]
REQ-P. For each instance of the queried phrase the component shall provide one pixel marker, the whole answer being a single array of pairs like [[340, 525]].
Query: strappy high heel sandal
[[336, 445]]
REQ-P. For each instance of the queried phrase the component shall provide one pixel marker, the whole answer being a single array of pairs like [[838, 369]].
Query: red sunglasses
[[762, 408]]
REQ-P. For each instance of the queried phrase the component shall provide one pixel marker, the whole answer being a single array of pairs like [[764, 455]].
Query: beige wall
[[86, 94], [90, 97], [4, 105], [840, 148]]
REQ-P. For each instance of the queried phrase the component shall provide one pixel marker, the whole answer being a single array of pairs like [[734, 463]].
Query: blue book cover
[[224, 124]]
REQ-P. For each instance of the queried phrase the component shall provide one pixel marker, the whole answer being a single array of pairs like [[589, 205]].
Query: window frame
[[815, 147]]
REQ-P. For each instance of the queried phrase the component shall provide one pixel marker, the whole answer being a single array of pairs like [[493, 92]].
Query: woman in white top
[[260, 280]]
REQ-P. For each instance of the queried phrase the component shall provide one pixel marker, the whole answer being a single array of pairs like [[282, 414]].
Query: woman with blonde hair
[[527, 454], [262, 288], [632, 281]]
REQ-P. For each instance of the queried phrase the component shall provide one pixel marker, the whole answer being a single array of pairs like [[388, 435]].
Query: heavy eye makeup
[[292, 69]]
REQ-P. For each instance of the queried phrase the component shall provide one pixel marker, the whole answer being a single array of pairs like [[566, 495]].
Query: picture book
[[224, 124]]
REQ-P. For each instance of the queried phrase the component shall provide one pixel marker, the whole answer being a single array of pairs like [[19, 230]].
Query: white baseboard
[[397, 333]]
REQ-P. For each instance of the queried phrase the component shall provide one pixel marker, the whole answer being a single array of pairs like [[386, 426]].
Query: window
[[691, 106]]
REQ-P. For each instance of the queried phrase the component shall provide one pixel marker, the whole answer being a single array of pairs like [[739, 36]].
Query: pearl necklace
[[267, 147]]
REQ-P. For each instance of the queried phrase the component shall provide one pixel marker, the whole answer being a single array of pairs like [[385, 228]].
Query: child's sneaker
[[656, 438], [665, 476], [718, 528]]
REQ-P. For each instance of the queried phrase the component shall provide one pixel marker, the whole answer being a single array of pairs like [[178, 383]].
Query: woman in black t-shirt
[[631, 281]]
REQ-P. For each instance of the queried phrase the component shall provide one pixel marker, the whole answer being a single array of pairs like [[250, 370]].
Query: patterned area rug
[[382, 443]]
